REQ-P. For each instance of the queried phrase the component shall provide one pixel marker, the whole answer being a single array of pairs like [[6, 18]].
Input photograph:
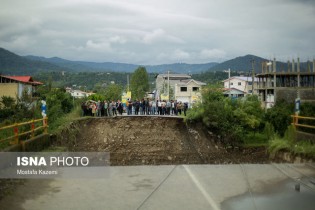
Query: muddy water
[[277, 197]]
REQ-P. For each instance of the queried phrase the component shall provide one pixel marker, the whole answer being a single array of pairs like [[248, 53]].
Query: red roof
[[24, 79]]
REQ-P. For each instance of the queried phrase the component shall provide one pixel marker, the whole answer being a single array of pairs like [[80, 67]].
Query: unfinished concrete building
[[287, 85]]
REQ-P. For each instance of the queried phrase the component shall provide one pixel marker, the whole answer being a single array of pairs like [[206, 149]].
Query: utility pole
[[229, 83], [127, 82], [168, 84], [253, 75], [229, 71]]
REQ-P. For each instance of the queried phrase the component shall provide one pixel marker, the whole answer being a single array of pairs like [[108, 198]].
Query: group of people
[[136, 107], [102, 108], [158, 107]]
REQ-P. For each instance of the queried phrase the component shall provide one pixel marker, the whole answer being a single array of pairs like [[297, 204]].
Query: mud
[[154, 140]]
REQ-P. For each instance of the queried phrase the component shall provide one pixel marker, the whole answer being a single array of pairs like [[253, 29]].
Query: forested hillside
[[12, 64], [244, 64], [80, 66]]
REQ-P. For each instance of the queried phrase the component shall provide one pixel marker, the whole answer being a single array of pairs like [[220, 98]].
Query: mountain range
[[122, 67], [13, 64]]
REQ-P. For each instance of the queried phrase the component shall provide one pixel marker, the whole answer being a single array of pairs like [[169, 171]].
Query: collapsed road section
[[153, 140]]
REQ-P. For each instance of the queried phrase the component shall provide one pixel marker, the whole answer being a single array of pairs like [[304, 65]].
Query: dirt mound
[[145, 140]]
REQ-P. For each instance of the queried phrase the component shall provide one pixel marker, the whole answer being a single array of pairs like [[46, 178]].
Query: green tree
[[249, 112], [7, 101], [113, 92], [58, 103], [230, 119], [280, 116], [139, 83]]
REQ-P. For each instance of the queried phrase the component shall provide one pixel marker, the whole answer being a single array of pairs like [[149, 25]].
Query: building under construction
[[288, 85]]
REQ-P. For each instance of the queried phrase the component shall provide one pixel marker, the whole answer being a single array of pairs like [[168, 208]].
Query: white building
[[78, 93], [185, 89], [188, 91], [240, 84], [162, 80]]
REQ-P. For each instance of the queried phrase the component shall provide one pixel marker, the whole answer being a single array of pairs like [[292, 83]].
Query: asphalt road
[[246, 186]]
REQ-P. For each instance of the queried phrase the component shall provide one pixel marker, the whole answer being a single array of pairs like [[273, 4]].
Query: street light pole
[[168, 85], [253, 75], [229, 71], [229, 83]]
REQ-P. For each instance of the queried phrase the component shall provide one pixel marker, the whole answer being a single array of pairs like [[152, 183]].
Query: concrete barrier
[[291, 158], [35, 144]]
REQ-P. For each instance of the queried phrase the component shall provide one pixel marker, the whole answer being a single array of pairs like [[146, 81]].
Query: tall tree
[[139, 83], [113, 92]]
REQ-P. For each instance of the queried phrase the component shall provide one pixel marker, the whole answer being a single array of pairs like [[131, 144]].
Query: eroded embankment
[[145, 140]]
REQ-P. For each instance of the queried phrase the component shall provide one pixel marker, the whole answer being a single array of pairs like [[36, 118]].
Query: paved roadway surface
[[246, 186]]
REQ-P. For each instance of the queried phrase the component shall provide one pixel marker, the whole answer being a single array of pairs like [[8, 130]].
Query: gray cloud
[[158, 31]]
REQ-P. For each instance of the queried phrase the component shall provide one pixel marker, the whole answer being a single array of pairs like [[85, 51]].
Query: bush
[[195, 114], [6, 114], [279, 116], [227, 117], [269, 131], [308, 110], [304, 148], [256, 139], [278, 144]]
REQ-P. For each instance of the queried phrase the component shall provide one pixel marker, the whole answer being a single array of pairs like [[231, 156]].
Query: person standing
[[110, 108], [114, 108], [173, 107], [168, 107], [163, 105], [179, 108], [83, 107], [98, 108], [130, 107], [153, 107], [94, 109], [120, 107], [159, 107], [185, 107], [137, 107], [141, 106], [148, 107], [105, 108]]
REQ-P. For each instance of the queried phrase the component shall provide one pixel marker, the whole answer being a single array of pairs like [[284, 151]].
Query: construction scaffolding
[[287, 85]]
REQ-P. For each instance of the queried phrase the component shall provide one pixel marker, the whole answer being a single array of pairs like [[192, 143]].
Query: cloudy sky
[[158, 31]]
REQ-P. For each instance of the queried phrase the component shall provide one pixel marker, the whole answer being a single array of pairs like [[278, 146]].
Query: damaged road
[[154, 140]]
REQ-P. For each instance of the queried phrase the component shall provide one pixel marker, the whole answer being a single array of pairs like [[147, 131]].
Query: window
[[239, 83], [250, 83], [195, 89], [250, 91], [183, 89], [231, 83]]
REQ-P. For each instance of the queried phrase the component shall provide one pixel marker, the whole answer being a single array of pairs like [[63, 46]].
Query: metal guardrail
[[31, 131], [296, 121]]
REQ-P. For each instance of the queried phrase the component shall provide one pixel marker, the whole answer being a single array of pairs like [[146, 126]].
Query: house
[[161, 81], [243, 84], [233, 92], [78, 93], [14, 86], [188, 90]]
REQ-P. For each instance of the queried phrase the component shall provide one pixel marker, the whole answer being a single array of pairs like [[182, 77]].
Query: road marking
[[202, 190], [155, 189]]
